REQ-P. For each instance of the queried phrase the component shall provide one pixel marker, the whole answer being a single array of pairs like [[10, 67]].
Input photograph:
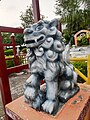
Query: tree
[[72, 15], [27, 17], [19, 39], [6, 38], [86, 3]]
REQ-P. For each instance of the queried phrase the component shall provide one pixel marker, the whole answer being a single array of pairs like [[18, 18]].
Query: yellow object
[[88, 69], [81, 75], [79, 59], [87, 79]]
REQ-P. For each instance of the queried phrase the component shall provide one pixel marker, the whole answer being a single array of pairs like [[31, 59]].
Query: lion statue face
[[38, 32]]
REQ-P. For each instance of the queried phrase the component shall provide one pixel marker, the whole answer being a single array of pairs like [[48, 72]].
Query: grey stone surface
[[49, 60], [79, 51]]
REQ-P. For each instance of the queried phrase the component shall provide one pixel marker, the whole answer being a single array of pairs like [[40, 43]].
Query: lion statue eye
[[39, 27]]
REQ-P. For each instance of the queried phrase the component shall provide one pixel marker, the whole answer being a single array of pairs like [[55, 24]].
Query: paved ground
[[79, 51], [16, 84]]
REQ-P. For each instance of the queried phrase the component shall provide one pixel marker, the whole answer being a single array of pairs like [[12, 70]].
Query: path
[[16, 85]]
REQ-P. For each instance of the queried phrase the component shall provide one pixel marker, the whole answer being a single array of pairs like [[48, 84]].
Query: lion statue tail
[[66, 56]]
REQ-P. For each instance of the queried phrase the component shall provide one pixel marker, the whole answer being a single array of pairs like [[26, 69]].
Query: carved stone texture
[[49, 61]]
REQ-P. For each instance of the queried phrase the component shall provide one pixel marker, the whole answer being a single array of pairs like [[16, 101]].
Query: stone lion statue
[[49, 61]]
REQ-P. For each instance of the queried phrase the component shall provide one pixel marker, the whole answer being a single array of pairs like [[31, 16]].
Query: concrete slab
[[77, 108]]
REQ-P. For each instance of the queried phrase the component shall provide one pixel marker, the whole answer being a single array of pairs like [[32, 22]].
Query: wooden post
[[89, 41], [16, 60], [75, 39], [36, 10], [4, 81], [59, 26]]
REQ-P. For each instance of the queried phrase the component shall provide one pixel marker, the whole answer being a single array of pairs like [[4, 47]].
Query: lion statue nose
[[28, 31], [35, 33]]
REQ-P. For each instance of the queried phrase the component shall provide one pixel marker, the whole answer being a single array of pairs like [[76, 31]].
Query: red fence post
[[36, 10], [4, 81], [59, 26], [16, 60], [89, 41]]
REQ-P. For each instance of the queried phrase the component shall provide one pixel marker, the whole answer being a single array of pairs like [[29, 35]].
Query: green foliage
[[82, 66], [6, 38], [19, 39], [63, 7], [68, 38], [86, 3], [10, 63], [8, 52], [88, 35], [83, 41], [24, 50], [20, 60], [27, 17], [72, 15]]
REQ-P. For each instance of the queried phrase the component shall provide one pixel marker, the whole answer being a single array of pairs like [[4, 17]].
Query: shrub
[[82, 67], [8, 52], [20, 60], [24, 50], [10, 63], [83, 40]]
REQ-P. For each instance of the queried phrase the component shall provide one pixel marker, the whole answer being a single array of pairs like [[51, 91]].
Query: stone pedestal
[[77, 108]]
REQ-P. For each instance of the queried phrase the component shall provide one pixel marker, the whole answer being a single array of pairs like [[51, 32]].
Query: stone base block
[[77, 108]]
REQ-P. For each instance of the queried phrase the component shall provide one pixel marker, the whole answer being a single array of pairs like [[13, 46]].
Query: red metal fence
[[4, 72]]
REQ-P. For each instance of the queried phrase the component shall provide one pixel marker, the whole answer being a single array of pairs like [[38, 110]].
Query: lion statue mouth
[[35, 42]]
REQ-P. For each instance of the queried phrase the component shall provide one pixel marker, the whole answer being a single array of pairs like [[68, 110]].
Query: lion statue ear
[[53, 22]]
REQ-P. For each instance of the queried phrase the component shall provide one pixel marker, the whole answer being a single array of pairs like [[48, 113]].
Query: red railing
[[4, 72]]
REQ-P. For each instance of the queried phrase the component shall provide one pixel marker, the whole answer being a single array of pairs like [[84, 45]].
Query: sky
[[10, 11]]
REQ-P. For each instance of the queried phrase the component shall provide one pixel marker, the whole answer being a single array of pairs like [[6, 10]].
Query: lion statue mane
[[49, 61]]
